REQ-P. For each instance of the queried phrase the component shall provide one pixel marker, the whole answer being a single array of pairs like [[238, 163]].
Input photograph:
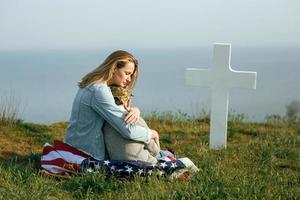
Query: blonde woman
[[94, 105]]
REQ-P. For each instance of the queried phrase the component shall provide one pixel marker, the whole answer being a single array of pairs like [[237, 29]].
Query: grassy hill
[[262, 161]]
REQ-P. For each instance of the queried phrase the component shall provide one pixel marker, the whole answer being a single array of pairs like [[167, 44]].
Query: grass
[[9, 107], [262, 161]]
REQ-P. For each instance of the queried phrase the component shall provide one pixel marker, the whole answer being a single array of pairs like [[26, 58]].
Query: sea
[[42, 84]]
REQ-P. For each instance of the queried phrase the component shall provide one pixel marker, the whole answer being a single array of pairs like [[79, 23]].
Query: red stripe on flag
[[58, 145], [171, 157], [48, 149], [62, 163]]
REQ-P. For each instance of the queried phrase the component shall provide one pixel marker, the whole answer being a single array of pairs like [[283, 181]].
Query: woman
[[94, 105]]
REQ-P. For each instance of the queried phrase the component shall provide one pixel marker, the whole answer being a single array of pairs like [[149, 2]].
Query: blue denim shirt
[[92, 107]]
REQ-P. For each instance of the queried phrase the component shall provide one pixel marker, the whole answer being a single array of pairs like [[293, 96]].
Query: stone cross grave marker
[[220, 77]]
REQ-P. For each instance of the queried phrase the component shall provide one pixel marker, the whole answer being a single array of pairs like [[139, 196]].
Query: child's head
[[120, 94]]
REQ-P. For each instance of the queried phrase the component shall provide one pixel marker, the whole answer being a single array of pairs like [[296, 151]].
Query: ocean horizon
[[43, 83]]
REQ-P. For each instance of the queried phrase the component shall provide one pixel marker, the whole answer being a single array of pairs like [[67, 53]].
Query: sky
[[96, 24]]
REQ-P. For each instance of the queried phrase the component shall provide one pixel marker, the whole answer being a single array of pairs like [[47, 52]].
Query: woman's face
[[122, 76]]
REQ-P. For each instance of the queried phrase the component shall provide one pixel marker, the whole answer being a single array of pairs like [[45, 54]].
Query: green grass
[[262, 161]]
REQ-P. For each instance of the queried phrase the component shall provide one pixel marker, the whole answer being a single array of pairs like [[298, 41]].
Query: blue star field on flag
[[129, 168]]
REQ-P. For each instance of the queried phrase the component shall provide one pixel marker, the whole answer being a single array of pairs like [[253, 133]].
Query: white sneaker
[[189, 164]]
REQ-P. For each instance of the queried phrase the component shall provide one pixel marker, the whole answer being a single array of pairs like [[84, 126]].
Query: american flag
[[62, 159]]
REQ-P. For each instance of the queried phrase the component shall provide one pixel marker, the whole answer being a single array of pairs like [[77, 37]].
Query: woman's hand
[[132, 116]]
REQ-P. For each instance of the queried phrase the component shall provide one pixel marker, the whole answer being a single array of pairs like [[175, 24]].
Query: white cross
[[220, 78]]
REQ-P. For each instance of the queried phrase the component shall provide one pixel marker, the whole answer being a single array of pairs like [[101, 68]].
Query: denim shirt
[[92, 107]]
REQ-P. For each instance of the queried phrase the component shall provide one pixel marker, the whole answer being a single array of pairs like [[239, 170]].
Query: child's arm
[[152, 147]]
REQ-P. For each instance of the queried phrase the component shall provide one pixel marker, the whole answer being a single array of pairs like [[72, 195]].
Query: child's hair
[[120, 94]]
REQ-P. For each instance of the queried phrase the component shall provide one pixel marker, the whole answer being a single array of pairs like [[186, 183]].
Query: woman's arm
[[103, 103], [133, 114]]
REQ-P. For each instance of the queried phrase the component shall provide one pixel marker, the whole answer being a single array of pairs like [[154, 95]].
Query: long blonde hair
[[104, 72]]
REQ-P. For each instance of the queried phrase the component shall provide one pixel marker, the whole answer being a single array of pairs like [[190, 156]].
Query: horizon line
[[143, 48]]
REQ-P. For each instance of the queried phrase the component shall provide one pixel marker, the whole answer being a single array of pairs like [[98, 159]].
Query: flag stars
[[173, 165], [119, 170], [106, 162], [163, 165], [127, 166], [129, 170], [97, 166], [140, 172]]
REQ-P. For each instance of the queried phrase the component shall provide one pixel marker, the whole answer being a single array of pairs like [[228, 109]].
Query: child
[[122, 98]]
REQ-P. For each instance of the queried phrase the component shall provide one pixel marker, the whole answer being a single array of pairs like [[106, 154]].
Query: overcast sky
[[67, 24]]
